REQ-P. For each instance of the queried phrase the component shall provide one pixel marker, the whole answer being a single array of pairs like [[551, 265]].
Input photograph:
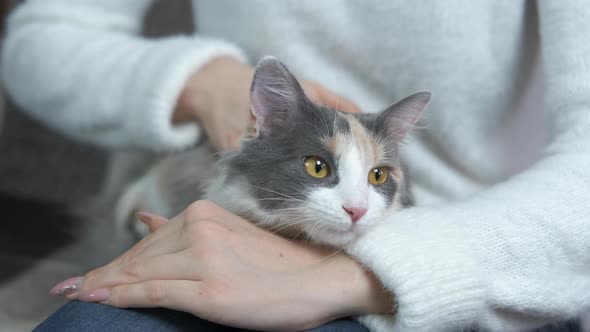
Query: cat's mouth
[[341, 229]]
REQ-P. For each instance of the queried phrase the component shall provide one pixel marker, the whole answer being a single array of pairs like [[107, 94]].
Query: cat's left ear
[[401, 117], [275, 97]]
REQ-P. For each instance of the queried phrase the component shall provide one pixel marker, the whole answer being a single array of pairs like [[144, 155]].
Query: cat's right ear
[[275, 96], [401, 117]]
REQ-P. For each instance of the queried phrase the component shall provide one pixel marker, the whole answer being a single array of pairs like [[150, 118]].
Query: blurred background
[[56, 194]]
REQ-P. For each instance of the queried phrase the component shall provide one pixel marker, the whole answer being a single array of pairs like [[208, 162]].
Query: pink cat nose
[[355, 213]]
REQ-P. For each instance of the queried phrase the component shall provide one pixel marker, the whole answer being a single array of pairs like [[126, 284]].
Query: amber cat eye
[[316, 167], [378, 175]]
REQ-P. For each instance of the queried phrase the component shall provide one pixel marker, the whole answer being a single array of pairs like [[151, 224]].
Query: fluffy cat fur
[[267, 181]]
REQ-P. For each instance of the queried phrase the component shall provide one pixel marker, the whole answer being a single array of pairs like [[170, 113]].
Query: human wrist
[[192, 99], [183, 111], [372, 297], [355, 290]]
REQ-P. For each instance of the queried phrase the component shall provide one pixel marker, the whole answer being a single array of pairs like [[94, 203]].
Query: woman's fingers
[[157, 256], [178, 266], [338, 102], [167, 238], [151, 220], [326, 97], [174, 294]]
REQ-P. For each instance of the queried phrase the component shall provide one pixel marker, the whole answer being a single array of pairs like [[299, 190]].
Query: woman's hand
[[218, 97], [222, 268]]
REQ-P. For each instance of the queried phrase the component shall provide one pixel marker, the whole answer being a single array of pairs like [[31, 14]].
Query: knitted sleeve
[[517, 255], [81, 67]]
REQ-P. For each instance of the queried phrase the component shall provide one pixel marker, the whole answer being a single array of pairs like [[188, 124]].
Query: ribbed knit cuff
[[176, 60], [429, 267]]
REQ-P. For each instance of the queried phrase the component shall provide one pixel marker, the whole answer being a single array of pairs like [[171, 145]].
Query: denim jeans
[[91, 317]]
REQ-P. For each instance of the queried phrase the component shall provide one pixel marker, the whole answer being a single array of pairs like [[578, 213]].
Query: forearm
[[99, 81]]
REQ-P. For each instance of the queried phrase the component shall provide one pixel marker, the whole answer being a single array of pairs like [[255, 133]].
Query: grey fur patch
[[388, 190], [183, 177], [273, 166], [406, 196]]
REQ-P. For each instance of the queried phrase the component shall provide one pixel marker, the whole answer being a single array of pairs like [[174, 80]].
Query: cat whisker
[[305, 233], [291, 222], [309, 232], [323, 259], [277, 228], [318, 227], [287, 198], [298, 211], [272, 191], [308, 205], [284, 199]]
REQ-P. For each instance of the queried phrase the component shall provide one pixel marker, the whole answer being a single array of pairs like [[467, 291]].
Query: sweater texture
[[483, 247]]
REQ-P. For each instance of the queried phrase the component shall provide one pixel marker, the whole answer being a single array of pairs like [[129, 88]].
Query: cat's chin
[[338, 237], [326, 236], [332, 234], [332, 237]]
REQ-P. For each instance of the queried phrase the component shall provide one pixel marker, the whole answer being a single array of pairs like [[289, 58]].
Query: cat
[[305, 170]]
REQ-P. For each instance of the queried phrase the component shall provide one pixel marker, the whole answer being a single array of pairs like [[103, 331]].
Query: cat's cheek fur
[[326, 203], [234, 196]]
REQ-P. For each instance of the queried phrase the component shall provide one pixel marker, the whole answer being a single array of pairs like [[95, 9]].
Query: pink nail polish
[[145, 217], [72, 296], [97, 295], [67, 286]]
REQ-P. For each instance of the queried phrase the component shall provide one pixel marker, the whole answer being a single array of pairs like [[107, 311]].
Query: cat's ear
[[275, 96], [401, 117]]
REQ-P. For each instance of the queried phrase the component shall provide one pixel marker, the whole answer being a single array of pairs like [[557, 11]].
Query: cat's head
[[315, 171]]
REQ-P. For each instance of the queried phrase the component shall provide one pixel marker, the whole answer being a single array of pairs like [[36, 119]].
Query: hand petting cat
[[218, 97], [223, 268]]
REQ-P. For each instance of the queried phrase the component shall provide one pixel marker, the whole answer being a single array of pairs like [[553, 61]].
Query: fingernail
[[67, 286], [145, 217], [72, 296], [97, 295]]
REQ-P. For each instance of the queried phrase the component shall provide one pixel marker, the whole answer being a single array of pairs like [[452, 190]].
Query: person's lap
[[80, 316]]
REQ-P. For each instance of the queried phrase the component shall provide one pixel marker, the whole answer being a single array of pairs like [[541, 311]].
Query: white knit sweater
[[482, 249]]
